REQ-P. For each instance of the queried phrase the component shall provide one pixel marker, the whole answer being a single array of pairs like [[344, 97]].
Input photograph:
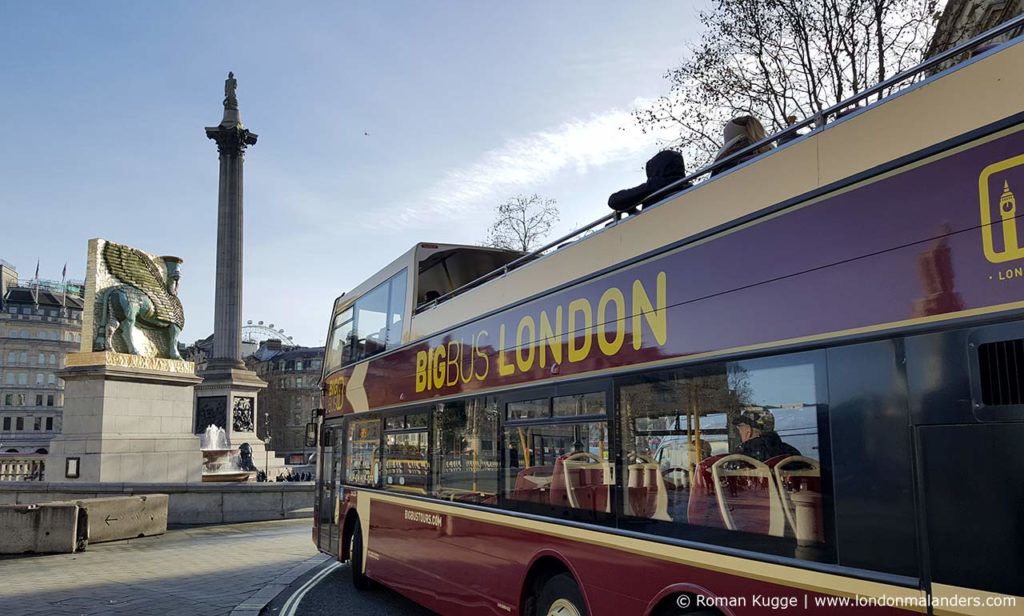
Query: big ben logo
[[999, 209]]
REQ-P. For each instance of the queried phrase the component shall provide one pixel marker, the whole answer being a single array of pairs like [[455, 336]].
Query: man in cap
[[758, 438]]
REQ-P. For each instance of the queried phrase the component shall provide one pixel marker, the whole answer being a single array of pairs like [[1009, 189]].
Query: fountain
[[218, 462]]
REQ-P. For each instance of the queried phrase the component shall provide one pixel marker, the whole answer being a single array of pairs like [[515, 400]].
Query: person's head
[[666, 163], [740, 132], [751, 423]]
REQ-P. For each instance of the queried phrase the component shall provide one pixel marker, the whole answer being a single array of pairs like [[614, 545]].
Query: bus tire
[[561, 596], [359, 579]]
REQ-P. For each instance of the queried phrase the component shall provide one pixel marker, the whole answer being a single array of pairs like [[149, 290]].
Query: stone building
[[963, 19], [293, 391], [39, 324]]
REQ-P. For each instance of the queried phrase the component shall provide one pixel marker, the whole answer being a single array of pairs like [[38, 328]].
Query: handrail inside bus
[[815, 122]]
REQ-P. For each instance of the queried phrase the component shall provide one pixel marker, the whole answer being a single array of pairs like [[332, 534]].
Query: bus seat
[[702, 508], [646, 495], [747, 495], [532, 484], [799, 483], [581, 481]]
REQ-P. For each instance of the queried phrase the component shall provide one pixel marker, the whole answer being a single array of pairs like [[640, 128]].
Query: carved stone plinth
[[126, 419]]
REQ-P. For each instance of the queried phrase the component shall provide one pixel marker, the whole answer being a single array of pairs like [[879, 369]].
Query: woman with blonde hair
[[739, 133]]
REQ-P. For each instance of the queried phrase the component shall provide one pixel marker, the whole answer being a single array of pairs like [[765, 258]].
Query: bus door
[[329, 475]]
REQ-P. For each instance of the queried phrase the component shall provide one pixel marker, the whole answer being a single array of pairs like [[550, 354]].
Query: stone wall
[[207, 503]]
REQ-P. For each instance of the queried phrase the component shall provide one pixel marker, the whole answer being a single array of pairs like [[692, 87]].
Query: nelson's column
[[227, 396]]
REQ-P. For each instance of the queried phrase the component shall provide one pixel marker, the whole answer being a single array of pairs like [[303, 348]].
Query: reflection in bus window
[[362, 447], [372, 325], [732, 446], [582, 404], [405, 455], [466, 456], [563, 465], [339, 350]]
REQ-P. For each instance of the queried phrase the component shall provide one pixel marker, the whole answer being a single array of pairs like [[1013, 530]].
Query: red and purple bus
[[796, 385]]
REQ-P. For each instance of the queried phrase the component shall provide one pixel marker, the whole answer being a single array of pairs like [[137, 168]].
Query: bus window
[[371, 322], [731, 446], [405, 453], [582, 404], [362, 446], [466, 456], [339, 349], [396, 309], [563, 465]]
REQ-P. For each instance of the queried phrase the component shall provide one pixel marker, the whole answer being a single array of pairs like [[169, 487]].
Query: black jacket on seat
[[663, 169]]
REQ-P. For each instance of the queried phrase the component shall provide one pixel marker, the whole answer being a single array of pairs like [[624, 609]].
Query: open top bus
[[796, 384]]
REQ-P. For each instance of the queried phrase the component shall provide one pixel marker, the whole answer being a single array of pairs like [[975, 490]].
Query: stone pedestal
[[127, 418], [227, 398]]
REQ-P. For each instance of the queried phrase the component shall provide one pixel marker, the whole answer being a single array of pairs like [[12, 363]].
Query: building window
[[7, 424], [39, 378], [12, 358], [26, 310], [298, 365], [9, 399], [39, 399], [42, 359], [298, 381], [10, 378], [37, 423], [51, 379], [53, 359], [19, 423], [70, 337], [25, 333], [23, 378], [49, 424], [24, 357], [49, 400]]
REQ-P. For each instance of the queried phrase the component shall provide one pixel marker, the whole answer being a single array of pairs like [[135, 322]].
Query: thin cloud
[[526, 162]]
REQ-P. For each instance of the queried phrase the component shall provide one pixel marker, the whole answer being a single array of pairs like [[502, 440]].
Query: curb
[[255, 604]]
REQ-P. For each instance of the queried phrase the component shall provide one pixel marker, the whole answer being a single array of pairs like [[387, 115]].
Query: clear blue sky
[[103, 106]]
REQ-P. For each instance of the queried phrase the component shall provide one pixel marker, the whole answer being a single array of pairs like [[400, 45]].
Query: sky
[[381, 124]]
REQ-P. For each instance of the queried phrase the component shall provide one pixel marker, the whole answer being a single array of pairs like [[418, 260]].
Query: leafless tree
[[774, 59], [522, 222]]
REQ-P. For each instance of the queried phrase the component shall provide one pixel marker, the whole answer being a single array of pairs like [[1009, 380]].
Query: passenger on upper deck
[[663, 169], [739, 133]]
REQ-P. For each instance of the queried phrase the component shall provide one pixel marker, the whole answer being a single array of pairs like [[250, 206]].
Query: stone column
[[232, 138], [227, 396]]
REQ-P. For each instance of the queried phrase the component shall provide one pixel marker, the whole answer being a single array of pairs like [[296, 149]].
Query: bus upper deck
[[901, 131]]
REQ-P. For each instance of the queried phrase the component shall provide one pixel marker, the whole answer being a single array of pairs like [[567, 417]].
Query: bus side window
[[466, 454], [732, 446], [362, 451]]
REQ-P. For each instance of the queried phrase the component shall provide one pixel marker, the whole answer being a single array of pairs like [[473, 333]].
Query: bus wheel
[[560, 596], [355, 550]]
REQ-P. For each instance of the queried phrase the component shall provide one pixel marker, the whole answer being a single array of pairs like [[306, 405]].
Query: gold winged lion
[[145, 298]]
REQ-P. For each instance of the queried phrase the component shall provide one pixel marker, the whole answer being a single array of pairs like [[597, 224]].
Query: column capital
[[231, 139]]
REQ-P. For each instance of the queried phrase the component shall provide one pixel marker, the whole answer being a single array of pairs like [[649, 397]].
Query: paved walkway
[[231, 569]]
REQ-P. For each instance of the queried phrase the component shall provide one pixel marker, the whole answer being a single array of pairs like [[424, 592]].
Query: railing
[[816, 123], [22, 466]]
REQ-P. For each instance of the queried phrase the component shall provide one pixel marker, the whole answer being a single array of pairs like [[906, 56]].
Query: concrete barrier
[[202, 503], [125, 517], [44, 529]]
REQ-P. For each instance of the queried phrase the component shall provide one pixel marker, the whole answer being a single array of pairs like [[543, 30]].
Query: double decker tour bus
[[796, 385]]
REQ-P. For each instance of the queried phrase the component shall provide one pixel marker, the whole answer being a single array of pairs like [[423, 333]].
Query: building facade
[[293, 391], [39, 324], [963, 19]]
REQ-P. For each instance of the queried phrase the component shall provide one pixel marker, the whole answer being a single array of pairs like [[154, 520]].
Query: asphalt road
[[333, 594]]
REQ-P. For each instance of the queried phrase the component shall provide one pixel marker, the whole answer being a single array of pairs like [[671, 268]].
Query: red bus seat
[[737, 492], [799, 482], [581, 481], [646, 495], [532, 484]]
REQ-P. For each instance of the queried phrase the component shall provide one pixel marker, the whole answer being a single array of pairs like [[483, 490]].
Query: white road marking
[[293, 601]]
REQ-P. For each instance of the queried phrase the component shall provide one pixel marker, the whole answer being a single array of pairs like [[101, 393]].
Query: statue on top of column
[[230, 100]]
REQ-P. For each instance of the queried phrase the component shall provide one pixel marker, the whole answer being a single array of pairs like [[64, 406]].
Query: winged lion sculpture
[[146, 298]]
